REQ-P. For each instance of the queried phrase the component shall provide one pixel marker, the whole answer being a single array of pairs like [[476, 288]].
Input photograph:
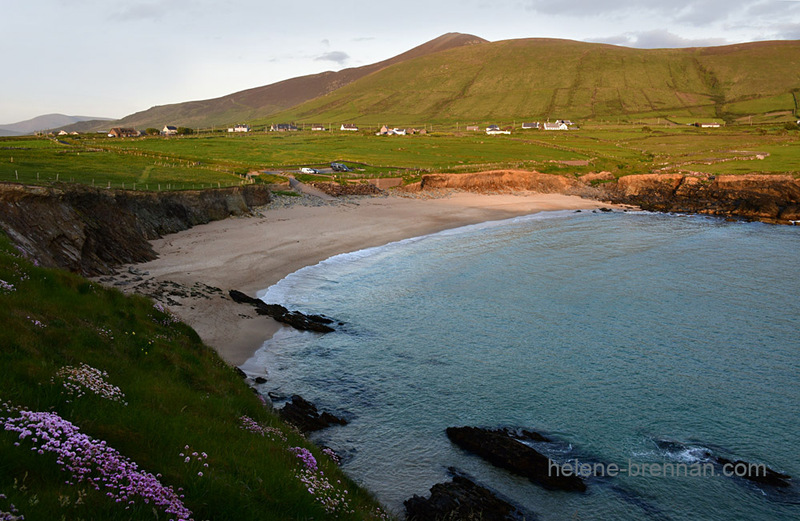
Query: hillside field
[[222, 159]]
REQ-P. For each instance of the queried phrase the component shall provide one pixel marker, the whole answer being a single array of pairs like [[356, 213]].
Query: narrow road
[[309, 190]]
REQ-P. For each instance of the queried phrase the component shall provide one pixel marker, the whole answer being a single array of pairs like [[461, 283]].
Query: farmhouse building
[[473, 128], [349, 126], [169, 130], [239, 128], [123, 132], [318, 128], [559, 125], [283, 127], [530, 126]]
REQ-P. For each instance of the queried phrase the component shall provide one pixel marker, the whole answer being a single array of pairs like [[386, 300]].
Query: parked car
[[309, 171], [340, 167]]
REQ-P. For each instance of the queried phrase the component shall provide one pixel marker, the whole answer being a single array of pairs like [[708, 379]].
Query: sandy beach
[[249, 254]]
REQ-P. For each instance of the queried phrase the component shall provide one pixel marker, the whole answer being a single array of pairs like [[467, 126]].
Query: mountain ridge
[[265, 100], [44, 122], [461, 77]]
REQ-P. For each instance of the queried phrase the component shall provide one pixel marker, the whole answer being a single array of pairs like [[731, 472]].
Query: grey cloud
[[659, 39], [334, 56], [697, 12]]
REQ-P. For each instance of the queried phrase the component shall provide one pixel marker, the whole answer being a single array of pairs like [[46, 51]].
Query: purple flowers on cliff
[[249, 424], [7, 286], [12, 515], [92, 462], [79, 380], [305, 456]]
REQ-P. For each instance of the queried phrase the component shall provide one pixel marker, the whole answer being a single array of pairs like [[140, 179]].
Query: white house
[[169, 130], [530, 126], [350, 127], [318, 128], [559, 125], [494, 130], [239, 128]]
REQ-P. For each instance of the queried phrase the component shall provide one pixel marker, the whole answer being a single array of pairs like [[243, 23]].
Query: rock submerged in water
[[501, 449], [305, 416], [460, 498], [296, 319]]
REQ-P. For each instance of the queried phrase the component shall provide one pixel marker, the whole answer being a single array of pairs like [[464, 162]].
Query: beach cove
[[252, 253]]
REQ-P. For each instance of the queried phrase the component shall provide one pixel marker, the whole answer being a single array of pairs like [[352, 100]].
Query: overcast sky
[[110, 59]]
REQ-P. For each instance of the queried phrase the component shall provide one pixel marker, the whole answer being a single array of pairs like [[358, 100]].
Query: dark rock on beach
[[296, 319], [460, 499], [501, 449], [305, 416]]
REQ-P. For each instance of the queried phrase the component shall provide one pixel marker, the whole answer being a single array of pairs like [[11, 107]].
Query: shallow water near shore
[[629, 338]]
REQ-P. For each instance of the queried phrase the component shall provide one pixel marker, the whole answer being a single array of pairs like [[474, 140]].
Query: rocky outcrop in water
[[460, 499], [502, 450], [305, 416], [296, 319], [91, 230]]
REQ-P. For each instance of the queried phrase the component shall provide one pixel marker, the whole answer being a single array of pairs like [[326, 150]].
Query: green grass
[[178, 392], [91, 161], [190, 162]]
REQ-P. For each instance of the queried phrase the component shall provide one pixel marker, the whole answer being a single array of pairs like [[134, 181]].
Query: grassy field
[[113, 410], [203, 161]]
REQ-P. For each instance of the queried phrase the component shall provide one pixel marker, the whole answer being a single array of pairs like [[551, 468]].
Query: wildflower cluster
[[249, 424], [318, 485], [167, 317], [92, 462], [305, 456], [332, 499], [77, 380], [200, 457], [106, 332], [332, 455], [36, 322], [7, 286], [12, 515]]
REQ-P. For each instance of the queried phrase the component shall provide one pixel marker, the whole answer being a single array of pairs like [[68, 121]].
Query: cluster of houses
[[493, 130], [385, 130]]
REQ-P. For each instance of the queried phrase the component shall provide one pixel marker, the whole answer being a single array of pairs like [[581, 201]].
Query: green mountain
[[263, 101], [548, 78]]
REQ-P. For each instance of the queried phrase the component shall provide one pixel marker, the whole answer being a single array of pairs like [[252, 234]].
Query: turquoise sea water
[[629, 338]]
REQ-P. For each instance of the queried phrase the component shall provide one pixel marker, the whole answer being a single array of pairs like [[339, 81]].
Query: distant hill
[[549, 78], [260, 102], [46, 122]]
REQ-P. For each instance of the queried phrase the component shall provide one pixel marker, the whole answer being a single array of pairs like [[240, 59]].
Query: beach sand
[[252, 253]]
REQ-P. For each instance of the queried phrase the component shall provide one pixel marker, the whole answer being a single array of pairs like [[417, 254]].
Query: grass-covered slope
[[110, 409], [547, 78]]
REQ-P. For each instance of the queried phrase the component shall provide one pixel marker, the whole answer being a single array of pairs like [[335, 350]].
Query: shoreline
[[197, 267]]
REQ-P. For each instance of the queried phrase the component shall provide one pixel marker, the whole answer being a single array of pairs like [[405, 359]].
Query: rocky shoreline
[[768, 198]]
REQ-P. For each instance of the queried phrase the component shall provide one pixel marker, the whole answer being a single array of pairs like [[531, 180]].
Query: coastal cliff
[[767, 198], [90, 230]]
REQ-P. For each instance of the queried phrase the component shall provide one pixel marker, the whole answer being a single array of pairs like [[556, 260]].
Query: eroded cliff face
[[90, 230], [503, 180], [768, 198]]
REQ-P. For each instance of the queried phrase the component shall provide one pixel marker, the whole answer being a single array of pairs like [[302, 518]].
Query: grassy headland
[[112, 409]]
